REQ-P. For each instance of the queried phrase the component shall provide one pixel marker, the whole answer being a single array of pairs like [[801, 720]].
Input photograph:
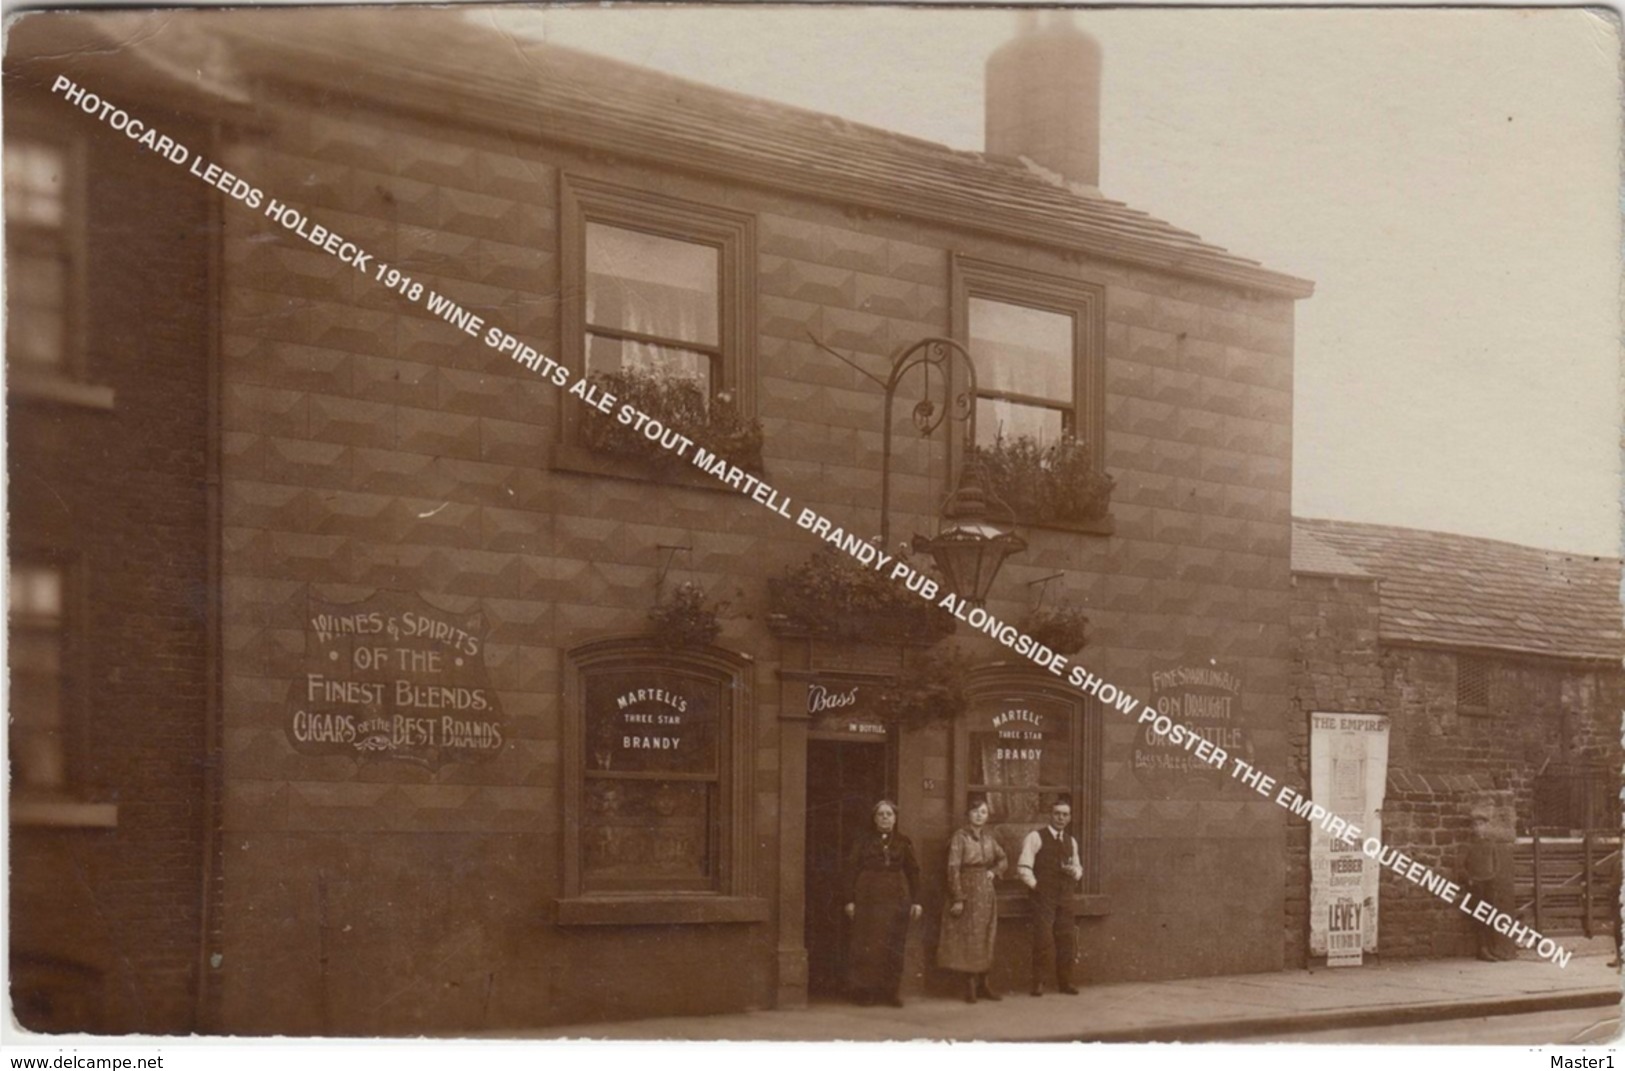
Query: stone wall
[[369, 446], [366, 447], [1446, 758]]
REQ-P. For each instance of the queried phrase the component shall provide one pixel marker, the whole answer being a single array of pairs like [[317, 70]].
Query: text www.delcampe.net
[[65, 1062]]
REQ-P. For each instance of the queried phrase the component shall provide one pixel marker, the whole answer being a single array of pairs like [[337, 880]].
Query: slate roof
[[1439, 588], [435, 60], [109, 55], [1315, 557]]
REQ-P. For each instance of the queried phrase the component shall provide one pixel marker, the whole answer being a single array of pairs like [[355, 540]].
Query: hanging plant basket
[[1054, 483], [679, 403], [686, 619], [1063, 629], [931, 690], [829, 596]]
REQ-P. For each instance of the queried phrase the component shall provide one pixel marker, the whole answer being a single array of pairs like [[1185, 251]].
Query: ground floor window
[[655, 770], [38, 738], [1024, 743], [652, 779]]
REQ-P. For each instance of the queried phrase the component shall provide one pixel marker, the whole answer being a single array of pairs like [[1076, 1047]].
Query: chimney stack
[[1043, 97]]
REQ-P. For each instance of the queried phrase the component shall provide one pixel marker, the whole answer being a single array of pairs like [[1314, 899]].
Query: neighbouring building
[[112, 470], [369, 684], [1498, 668]]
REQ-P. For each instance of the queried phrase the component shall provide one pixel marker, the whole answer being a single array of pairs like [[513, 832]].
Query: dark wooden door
[[844, 781]]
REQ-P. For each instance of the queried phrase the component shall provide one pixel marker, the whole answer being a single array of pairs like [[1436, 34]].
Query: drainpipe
[[204, 1015]]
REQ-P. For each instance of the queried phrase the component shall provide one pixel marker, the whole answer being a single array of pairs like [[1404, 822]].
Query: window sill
[[652, 910], [1020, 907], [1099, 526], [59, 813], [44, 385], [568, 457]]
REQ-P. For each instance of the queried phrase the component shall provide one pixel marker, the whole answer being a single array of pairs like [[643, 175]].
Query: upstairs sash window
[[37, 252], [653, 306], [1024, 371], [661, 292], [1038, 342]]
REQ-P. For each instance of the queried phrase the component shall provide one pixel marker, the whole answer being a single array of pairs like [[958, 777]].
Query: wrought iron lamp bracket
[[970, 504], [671, 550], [937, 354], [932, 354]]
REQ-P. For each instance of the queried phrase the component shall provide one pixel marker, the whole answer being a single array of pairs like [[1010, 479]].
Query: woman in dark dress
[[882, 883]]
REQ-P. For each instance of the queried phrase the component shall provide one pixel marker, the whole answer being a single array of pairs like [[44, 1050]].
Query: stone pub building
[[365, 682]]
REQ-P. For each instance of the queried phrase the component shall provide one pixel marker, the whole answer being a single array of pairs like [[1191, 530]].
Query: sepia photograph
[[812, 523]]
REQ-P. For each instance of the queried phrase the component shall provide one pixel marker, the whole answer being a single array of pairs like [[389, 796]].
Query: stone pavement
[[1190, 1009]]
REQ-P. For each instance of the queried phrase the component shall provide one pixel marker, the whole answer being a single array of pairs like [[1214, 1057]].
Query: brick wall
[[105, 921], [1429, 817]]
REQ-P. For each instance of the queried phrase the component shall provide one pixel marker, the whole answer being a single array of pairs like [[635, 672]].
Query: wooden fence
[[1569, 885]]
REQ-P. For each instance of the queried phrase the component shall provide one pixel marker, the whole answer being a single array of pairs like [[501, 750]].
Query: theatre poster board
[[1348, 773]]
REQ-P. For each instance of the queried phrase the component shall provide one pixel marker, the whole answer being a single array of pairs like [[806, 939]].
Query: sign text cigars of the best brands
[[394, 678]]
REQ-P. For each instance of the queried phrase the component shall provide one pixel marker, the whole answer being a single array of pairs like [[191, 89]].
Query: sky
[[1449, 180]]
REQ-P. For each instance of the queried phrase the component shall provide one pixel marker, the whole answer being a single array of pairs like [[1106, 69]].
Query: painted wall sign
[[841, 707], [392, 677], [1204, 695]]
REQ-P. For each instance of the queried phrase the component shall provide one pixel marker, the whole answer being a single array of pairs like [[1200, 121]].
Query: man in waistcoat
[[1050, 867]]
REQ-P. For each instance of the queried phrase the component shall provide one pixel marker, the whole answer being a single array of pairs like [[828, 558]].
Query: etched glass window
[[652, 780], [1022, 752]]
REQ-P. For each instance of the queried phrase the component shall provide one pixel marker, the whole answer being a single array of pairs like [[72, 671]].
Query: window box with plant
[[1063, 629], [1054, 483], [679, 403], [831, 597], [932, 689], [686, 618]]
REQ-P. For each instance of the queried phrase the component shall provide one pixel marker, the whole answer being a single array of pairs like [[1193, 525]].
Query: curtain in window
[[655, 286]]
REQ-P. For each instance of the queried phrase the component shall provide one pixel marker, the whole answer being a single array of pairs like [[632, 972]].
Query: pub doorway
[[845, 779]]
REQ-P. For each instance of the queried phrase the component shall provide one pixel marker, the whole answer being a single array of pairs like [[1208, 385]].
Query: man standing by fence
[[1489, 878]]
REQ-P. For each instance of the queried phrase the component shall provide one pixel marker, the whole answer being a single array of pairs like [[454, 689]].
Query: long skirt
[[874, 962], [966, 942]]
